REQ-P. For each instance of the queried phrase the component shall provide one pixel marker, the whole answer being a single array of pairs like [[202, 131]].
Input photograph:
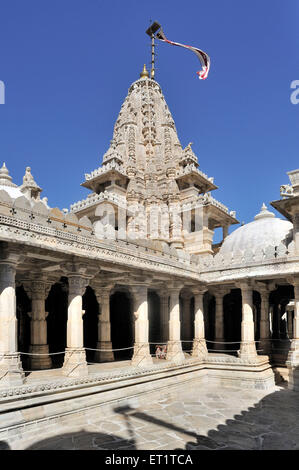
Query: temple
[[132, 271]]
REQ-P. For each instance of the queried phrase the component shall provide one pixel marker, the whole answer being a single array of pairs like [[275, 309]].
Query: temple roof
[[145, 153]]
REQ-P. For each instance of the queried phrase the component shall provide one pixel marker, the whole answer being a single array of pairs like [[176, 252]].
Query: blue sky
[[67, 66]]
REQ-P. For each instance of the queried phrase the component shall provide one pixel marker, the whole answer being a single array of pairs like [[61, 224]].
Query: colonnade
[[170, 320]]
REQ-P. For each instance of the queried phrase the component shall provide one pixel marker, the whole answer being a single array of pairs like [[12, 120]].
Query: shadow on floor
[[271, 424]]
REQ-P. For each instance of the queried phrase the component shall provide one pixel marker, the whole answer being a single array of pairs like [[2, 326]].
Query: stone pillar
[[247, 347], [293, 357], [141, 355], [199, 343], [104, 326], [75, 364], [278, 320], [11, 372], [290, 310], [37, 290], [265, 343], [174, 346], [219, 320], [186, 321], [164, 315], [225, 231]]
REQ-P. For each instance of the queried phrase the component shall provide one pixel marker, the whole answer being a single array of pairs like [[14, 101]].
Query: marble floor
[[203, 418]]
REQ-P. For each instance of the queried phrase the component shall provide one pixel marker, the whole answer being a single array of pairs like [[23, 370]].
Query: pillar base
[[40, 362], [293, 355], [174, 352], [11, 372], [247, 351], [104, 356], [141, 356], [75, 364], [199, 348], [292, 363]]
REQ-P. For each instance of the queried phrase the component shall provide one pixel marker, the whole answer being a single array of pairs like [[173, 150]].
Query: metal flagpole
[[151, 32]]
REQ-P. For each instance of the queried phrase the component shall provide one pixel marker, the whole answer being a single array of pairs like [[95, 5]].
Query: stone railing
[[192, 168], [247, 257], [96, 198], [104, 169], [208, 199]]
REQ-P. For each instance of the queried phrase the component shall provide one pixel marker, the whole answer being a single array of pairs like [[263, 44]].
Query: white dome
[[265, 230]]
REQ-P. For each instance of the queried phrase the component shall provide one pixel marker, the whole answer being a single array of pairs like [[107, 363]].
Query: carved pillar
[[265, 343], [11, 372], [290, 310], [141, 356], [199, 343], [75, 364], [219, 317], [293, 356], [174, 346], [247, 347], [38, 289], [164, 315], [186, 320], [104, 326], [278, 320]]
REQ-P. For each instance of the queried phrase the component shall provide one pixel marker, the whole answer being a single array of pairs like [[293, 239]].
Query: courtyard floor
[[203, 418]]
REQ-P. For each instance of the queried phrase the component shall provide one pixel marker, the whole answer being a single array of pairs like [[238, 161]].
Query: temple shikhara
[[127, 287]]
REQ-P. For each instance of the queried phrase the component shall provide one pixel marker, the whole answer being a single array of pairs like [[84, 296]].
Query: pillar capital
[[163, 293], [220, 292], [175, 286], [139, 290], [102, 291], [186, 295], [10, 255], [245, 285], [7, 275], [293, 280], [264, 288], [200, 290], [36, 287], [79, 268], [77, 284]]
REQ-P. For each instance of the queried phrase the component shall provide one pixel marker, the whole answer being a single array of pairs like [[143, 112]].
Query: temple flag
[[203, 57]]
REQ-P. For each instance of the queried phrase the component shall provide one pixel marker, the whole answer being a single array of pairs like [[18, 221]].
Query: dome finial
[[5, 178], [264, 213], [144, 73]]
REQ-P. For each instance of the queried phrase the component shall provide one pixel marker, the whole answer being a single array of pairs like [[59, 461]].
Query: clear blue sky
[[67, 66]]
